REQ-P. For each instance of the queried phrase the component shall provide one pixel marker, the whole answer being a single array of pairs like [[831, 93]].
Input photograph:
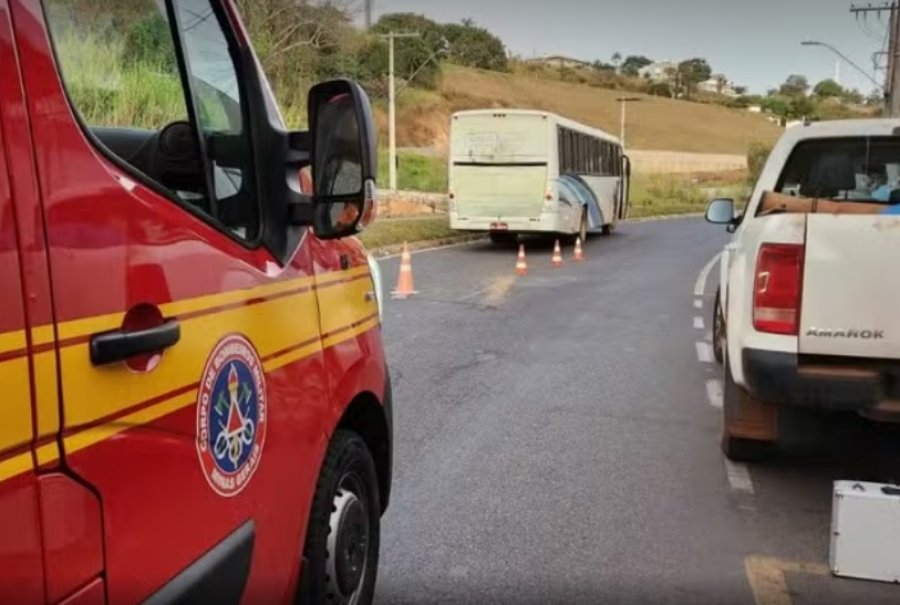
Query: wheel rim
[[348, 541]]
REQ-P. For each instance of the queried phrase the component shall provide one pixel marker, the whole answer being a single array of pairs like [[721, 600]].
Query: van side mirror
[[343, 158], [720, 211]]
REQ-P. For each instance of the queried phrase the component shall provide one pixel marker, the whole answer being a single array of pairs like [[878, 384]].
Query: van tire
[[340, 556], [740, 449]]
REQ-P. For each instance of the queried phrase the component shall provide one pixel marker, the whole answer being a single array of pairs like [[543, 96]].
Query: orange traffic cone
[[557, 260], [405, 286], [521, 263], [579, 253]]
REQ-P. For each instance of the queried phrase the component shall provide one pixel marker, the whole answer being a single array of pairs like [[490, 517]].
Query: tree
[[660, 89], [475, 46], [691, 72], [875, 99], [740, 90], [616, 60], [828, 88], [633, 64], [794, 85], [776, 105], [800, 107], [602, 66], [853, 96], [412, 56]]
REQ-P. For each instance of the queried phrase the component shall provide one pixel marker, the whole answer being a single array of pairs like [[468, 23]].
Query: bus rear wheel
[[503, 238]]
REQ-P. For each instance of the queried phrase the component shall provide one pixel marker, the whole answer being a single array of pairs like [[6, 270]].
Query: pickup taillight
[[777, 288]]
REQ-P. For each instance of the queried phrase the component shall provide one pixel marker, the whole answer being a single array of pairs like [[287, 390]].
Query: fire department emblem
[[231, 415]]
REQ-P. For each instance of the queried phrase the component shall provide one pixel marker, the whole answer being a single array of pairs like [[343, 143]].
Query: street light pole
[[624, 101], [847, 59], [392, 109]]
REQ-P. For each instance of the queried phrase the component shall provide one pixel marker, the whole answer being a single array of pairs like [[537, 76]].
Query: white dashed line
[[700, 286], [698, 304], [738, 476], [704, 352], [698, 323], [714, 392]]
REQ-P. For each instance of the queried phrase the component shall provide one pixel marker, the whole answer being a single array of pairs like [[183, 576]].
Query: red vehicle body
[[104, 496]]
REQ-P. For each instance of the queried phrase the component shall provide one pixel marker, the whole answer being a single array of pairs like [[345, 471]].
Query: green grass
[[670, 194], [387, 232], [415, 172]]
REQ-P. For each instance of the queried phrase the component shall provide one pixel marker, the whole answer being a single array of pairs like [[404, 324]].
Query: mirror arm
[[299, 145], [301, 211]]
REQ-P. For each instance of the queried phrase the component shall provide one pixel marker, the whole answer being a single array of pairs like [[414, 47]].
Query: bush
[[757, 155]]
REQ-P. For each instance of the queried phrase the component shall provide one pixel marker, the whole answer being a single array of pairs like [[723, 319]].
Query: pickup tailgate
[[851, 288]]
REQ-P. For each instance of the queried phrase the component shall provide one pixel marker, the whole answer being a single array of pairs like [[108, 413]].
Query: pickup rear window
[[863, 169]]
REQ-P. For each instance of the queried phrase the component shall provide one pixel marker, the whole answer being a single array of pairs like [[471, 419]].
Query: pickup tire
[[340, 557], [718, 330], [735, 405]]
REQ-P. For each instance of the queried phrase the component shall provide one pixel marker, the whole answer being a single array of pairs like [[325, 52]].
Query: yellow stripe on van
[[15, 407], [42, 335], [15, 465], [47, 454], [92, 436], [91, 393], [46, 387], [12, 341]]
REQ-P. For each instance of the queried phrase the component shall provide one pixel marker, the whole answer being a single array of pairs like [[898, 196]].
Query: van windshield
[[865, 169]]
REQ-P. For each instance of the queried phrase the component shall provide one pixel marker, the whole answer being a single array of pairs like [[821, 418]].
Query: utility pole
[[392, 108], [892, 79], [368, 15]]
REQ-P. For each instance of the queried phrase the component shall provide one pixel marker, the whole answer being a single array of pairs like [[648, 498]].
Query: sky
[[755, 43]]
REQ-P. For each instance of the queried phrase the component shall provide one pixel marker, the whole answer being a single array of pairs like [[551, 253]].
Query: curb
[[421, 246]]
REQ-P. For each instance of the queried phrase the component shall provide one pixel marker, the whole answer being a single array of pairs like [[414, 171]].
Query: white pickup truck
[[807, 315]]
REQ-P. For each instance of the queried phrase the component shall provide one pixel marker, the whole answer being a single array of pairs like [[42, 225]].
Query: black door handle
[[110, 347]]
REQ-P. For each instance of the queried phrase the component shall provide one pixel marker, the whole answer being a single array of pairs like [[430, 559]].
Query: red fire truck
[[195, 401]]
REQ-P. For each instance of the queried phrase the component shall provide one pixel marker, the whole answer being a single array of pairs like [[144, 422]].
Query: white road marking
[[700, 286], [714, 392], [698, 323], [698, 304], [704, 352], [738, 476]]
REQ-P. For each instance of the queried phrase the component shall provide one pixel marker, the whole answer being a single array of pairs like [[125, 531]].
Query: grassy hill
[[653, 122]]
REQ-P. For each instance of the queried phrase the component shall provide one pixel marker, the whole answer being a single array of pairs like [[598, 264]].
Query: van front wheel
[[340, 557]]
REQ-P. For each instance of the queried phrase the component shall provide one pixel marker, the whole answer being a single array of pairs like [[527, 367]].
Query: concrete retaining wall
[[679, 162]]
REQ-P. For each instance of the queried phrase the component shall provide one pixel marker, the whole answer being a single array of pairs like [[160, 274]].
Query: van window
[[120, 66]]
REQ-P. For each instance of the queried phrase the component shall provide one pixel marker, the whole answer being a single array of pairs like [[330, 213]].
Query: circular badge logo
[[231, 415]]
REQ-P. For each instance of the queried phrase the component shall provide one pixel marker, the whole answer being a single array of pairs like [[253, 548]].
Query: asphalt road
[[556, 439]]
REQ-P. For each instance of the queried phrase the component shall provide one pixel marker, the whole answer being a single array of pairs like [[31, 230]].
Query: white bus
[[518, 171]]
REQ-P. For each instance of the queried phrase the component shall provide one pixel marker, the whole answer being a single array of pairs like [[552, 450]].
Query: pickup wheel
[[340, 557], [718, 330], [749, 426]]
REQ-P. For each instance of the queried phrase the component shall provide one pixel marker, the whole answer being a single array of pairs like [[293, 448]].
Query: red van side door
[[190, 359], [22, 579]]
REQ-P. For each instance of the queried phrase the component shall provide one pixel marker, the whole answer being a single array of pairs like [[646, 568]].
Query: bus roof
[[557, 119]]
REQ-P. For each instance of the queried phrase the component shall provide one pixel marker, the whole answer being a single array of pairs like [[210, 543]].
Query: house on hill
[[559, 61], [658, 71], [718, 84]]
